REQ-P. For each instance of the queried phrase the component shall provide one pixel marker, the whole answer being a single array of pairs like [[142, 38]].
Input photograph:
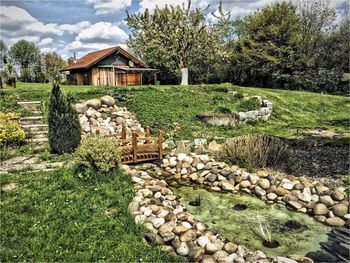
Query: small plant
[[64, 126], [98, 154], [263, 231], [11, 132], [195, 202], [249, 104], [238, 95], [253, 151], [46, 155]]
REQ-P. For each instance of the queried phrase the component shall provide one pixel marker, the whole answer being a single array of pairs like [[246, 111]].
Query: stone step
[[30, 105], [35, 127], [37, 134], [37, 141], [31, 120]]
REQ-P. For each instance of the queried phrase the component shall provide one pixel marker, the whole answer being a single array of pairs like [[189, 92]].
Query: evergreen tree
[[64, 127]]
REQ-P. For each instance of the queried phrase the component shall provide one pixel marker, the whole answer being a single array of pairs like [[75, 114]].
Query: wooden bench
[[139, 146]]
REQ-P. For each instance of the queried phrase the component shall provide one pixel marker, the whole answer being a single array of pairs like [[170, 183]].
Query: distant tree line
[[283, 45], [25, 61]]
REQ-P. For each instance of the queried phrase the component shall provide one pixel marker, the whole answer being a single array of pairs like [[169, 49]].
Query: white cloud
[[109, 6], [97, 36], [45, 42], [75, 28]]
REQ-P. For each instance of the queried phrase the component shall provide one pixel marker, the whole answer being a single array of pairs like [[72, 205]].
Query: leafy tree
[[70, 60], [53, 63], [64, 127], [26, 55], [168, 36]]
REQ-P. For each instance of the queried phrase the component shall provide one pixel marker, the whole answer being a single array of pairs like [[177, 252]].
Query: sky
[[82, 26]]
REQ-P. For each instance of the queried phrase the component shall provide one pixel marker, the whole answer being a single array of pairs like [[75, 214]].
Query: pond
[[237, 218]]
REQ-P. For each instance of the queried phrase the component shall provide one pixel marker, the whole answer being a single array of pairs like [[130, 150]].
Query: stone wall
[[104, 116], [241, 118]]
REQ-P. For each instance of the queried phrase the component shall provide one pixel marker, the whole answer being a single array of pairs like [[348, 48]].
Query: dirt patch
[[318, 157], [9, 187]]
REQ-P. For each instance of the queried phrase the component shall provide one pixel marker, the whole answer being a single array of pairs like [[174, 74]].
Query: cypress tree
[[64, 126]]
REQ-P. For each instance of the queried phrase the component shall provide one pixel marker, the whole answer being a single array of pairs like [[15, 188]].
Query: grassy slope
[[56, 217], [176, 107]]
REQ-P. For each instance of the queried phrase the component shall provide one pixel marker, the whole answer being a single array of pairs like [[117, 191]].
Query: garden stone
[[203, 241], [245, 184], [340, 210], [80, 108], [188, 236], [211, 177], [281, 191], [305, 196], [181, 157], [107, 100], [327, 200], [335, 221], [259, 191], [157, 222], [207, 259], [154, 238], [182, 249], [320, 219], [227, 186], [196, 254], [264, 183], [200, 166], [295, 205], [211, 248], [230, 247], [220, 254], [239, 260], [287, 185], [94, 103], [253, 178], [321, 189], [271, 196], [320, 209], [204, 158], [338, 195], [285, 260]]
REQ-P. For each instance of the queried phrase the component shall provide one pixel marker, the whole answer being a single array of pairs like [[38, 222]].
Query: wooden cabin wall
[[134, 78], [103, 76]]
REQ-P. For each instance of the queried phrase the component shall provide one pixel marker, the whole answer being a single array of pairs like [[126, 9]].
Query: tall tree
[[26, 56], [169, 33], [53, 63]]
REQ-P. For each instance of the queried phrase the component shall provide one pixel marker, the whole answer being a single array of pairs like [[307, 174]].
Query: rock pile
[[300, 194], [170, 226], [104, 116], [241, 118]]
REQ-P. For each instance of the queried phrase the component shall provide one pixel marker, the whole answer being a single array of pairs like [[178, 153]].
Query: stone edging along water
[[170, 226], [241, 118]]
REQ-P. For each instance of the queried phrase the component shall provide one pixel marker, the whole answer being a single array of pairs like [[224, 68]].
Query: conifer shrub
[[64, 126], [98, 154]]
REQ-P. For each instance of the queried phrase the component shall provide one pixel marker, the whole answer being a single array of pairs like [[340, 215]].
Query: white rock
[[157, 222], [287, 185], [200, 166], [203, 241], [181, 156], [183, 249]]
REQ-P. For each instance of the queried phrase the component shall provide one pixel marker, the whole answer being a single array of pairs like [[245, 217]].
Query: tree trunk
[[184, 76]]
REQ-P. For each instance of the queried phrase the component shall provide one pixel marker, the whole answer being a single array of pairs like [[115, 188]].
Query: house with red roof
[[107, 67]]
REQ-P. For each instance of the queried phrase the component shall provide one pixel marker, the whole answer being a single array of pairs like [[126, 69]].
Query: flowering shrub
[[11, 132], [7, 116], [98, 154]]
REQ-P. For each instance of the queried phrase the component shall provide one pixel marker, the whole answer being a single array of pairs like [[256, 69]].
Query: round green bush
[[98, 154]]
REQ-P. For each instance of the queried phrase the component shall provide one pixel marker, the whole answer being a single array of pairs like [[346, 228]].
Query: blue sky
[[81, 26]]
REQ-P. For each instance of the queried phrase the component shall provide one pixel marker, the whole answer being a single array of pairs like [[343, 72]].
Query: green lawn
[[176, 107], [57, 217]]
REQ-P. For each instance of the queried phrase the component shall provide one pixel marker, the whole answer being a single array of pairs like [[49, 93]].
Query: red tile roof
[[93, 57]]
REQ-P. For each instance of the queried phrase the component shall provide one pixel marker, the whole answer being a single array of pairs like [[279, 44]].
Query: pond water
[[236, 217]]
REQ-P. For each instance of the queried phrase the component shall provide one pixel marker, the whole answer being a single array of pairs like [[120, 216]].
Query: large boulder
[[107, 100], [95, 103]]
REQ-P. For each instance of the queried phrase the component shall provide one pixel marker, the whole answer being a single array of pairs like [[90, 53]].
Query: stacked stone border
[[241, 118], [170, 226]]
